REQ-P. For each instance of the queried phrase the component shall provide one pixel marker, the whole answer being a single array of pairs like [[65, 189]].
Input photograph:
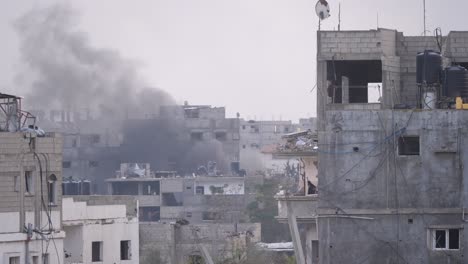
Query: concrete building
[[101, 229], [258, 141], [30, 198], [391, 180], [173, 210], [297, 204]]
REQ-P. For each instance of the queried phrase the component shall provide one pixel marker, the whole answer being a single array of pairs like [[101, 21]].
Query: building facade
[[391, 180], [31, 175], [101, 229]]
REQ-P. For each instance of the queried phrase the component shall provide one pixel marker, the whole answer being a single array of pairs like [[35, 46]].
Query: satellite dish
[[322, 9]]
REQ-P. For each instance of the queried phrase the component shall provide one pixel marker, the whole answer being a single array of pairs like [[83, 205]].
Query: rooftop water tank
[[428, 67], [455, 82]]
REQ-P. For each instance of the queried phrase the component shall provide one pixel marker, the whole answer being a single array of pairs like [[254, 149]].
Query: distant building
[[170, 204], [259, 139], [101, 229]]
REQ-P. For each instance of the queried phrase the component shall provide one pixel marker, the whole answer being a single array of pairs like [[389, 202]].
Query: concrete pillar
[[344, 90], [296, 238]]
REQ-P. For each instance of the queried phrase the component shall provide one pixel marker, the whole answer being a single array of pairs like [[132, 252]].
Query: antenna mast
[[424, 9], [339, 16]]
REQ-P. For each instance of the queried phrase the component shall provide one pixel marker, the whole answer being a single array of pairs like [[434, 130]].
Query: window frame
[[433, 238], [101, 255]]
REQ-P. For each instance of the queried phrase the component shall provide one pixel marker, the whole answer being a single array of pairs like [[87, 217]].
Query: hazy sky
[[256, 57]]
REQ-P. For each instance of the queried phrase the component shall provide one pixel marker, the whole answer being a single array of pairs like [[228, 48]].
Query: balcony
[[304, 208]]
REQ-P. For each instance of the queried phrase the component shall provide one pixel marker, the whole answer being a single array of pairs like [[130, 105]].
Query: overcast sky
[[256, 57]]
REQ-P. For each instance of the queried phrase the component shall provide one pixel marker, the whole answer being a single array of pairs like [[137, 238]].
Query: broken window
[[96, 251], [446, 239], [151, 188], [348, 81], [200, 190], [125, 188], [149, 214], [66, 164], [408, 146], [221, 136], [211, 216], [172, 199], [125, 250], [196, 136]]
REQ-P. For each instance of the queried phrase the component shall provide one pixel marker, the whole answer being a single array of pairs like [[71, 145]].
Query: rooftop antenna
[[322, 9], [339, 16], [377, 20], [424, 10]]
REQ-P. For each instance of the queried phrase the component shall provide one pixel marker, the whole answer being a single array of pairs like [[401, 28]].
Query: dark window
[[93, 164], [359, 74], [124, 188], [408, 146], [150, 214], [196, 136], [172, 199], [151, 188], [440, 239], [52, 192], [200, 190], [243, 127], [286, 129], [221, 136], [28, 179], [454, 238], [243, 146], [74, 143], [96, 251], [446, 239], [188, 187], [210, 216], [14, 260], [188, 214], [66, 164], [125, 250]]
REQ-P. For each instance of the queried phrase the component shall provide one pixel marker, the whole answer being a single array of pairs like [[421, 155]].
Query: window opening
[[349, 81], [52, 192], [196, 259], [172, 199], [200, 190], [221, 136], [150, 214], [211, 216], [408, 146], [446, 239], [28, 179], [151, 188], [66, 164], [125, 250], [14, 260], [96, 251]]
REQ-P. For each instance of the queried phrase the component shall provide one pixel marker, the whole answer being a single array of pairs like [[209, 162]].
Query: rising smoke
[[66, 72], [69, 73]]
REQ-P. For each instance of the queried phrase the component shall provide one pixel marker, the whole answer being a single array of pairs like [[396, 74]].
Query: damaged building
[[258, 141], [187, 215], [392, 129]]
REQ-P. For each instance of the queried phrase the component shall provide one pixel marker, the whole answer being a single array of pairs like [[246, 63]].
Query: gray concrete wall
[[362, 175]]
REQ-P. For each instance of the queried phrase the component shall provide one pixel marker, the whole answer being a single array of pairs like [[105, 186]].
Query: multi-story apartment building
[[31, 175]]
